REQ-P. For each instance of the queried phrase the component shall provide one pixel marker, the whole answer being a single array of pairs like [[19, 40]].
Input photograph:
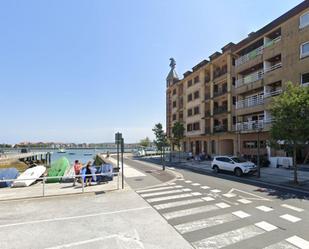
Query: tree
[[160, 141], [145, 142], [290, 125], [178, 131]]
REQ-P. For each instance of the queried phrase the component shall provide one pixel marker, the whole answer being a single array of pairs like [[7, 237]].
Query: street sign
[[118, 137]]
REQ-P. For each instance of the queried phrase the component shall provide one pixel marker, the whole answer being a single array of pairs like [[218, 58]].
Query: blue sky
[[80, 70]]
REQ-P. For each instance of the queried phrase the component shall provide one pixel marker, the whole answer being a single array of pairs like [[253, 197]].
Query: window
[[196, 95], [189, 112], [305, 79], [189, 97], [234, 81], [189, 127], [196, 79], [189, 83], [233, 61], [174, 117], [174, 92], [196, 126], [234, 100], [304, 50], [304, 20], [196, 110], [174, 103]]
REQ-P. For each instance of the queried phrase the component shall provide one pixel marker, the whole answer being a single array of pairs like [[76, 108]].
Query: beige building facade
[[224, 102]]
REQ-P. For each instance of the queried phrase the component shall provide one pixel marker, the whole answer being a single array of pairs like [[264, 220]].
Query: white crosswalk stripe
[[229, 195], [205, 187], [299, 242], [163, 193], [290, 218], [292, 207], [177, 203], [207, 198], [264, 208], [195, 184], [157, 189], [166, 198], [210, 222], [244, 201], [281, 245]]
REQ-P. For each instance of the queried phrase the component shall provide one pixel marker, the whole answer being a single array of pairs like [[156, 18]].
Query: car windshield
[[238, 160]]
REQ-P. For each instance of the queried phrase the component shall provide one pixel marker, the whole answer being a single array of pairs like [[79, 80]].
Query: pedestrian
[[88, 174], [77, 168], [107, 154]]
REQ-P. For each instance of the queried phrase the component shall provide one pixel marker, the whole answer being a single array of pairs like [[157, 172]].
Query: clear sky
[[80, 70]]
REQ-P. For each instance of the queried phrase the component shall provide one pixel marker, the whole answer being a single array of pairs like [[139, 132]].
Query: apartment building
[[224, 102], [266, 60]]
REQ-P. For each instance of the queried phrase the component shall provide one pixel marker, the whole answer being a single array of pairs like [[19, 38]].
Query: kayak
[[58, 168], [29, 176], [9, 173]]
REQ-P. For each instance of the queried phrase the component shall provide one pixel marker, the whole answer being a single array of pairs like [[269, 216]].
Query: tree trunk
[[295, 165]]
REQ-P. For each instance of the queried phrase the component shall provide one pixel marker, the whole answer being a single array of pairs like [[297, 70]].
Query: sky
[[81, 70]]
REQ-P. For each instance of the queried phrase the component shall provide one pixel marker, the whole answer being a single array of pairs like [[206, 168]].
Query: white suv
[[235, 164]]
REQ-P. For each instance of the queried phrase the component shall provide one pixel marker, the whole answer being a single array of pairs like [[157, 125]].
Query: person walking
[[88, 174]]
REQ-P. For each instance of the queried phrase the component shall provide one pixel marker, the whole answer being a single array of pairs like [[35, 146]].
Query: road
[[211, 212]]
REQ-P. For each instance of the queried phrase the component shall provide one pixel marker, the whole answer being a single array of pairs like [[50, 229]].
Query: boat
[[29, 176], [72, 153], [88, 154], [58, 169], [61, 151], [69, 174], [8, 173]]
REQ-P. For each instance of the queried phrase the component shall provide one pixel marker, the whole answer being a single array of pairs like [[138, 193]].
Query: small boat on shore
[[58, 169], [61, 151], [29, 176], [8, 173]]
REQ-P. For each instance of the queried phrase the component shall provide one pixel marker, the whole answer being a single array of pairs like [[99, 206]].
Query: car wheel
[[238, 172], [215, 169]]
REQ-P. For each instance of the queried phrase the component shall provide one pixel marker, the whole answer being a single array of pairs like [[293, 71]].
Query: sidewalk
[[277, 176]]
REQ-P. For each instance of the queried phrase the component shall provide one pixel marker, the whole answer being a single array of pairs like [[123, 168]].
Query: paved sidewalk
[[277, 176]]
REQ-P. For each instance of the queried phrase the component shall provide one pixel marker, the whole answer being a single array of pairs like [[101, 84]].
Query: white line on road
[[196, 184], [215, 190], [166, 198], [205, 187], [299, 242], [177, 203], [222, 205], [156, 189], [292, 207], [188, 181], [73, 217], [207, 198], [190, 211], [244, 201], [264, 208], [290, 218], [196, 194], [162, 193], [281, 245], [265, 226], [228, 238], [255, 197]]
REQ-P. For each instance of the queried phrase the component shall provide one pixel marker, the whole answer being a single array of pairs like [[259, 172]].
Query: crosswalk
[[211, 218]]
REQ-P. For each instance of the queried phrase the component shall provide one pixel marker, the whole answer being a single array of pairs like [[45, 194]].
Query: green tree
[[145, 142], [160, 141], [290, 113], [178, 131]]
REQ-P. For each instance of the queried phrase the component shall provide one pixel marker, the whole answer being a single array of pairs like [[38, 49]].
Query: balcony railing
[[272, 93], [220, 92], [253, 125], [220, 109], [272, 42], [207, 130], [274, 67], [247, 57], [249, 102], [250, 78], [219, 72], [207, 114], [220, 128], [207, 96]]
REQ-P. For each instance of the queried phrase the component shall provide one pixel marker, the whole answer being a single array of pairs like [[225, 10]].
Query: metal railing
[[247, 57], [252, 125], [249, 102], [220, 91], [220, 109], [250, 78], [272, 93], [272, 42], [274, 67], [220, 128]]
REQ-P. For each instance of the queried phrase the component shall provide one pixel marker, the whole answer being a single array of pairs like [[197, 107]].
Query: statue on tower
[[173, 63]]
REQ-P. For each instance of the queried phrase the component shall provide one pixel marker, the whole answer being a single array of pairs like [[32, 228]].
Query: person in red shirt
[[77, 167]]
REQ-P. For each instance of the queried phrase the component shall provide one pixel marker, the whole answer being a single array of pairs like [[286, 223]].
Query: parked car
[[234, 164]]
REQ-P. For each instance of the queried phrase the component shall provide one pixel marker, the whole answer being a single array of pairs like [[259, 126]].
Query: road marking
[[177, 203], [189, 211], [171, 168], [180, 179], [172, 183], [128, 170], [73, 217], [292, 207], [290, 218], [156, 189], [205, 223], [205, 187], [228, 238], [281, 245], [196, 193], [265, 226], [195, 184], [264, 208], [188, 181], [299, 242], [244, 201], [162, 193], [229, 195], [215, 190], [255, 197], [241, 214], [207, 198], [222, 205], [186, 190], [165, 198]]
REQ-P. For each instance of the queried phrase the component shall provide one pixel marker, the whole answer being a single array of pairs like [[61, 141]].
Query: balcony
[[249, 102], [272, 93], [247, 57], [272, 42], [207, 96], [207, 130], [207, 114], [250, 78], [219, 72], [253, 125], [220, 91], [220, 128], [220, 109], [274, 67]]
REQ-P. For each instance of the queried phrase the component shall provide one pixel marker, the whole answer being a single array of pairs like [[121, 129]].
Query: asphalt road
[[213, 212]]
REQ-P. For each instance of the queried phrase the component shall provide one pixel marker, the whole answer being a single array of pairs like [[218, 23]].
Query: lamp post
[[259, 129]]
